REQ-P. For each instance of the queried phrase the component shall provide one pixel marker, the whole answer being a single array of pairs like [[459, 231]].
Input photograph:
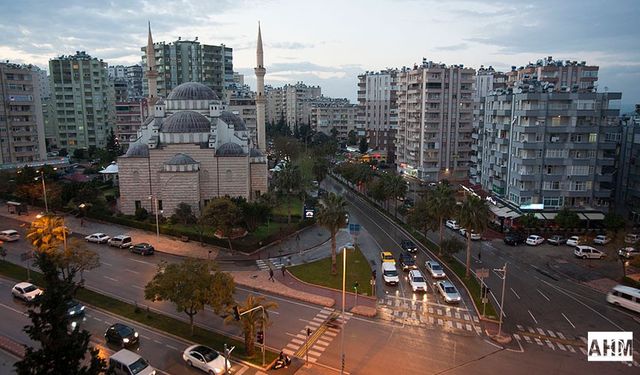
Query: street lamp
[[154, 202], [237, 314], [503, 271], [344, 298]]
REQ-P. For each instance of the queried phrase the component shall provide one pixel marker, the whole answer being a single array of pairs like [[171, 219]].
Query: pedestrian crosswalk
[[273, 263], [413, 312], [324, 328]]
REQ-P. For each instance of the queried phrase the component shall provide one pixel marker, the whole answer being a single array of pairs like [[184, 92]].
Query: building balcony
[[604, 178]]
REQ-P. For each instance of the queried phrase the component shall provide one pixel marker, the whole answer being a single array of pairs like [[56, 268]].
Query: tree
[[79, 154], [191, 286], [47, 233], [320, 168], [183, 214], [364, 145], [397, 187], [529, 221], [422, 217], [613, 222], [567, 219], [442, 203], [351, 138], [76, 258], [60, 350], [254, 213], [450, 246], [334, 133], [288, 182], [113, 147], [286, 148], [250, 321], [63, 152], [141, 214], [332, 216], [222, 214], [474, 217]]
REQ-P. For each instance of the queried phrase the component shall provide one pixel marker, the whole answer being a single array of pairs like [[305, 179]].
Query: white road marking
[[132, 271], [560, 335], [541, 331], [142, 261], [571, 349], [538, 341], [110, 278], [532, 317], [542, 294], [568, 320], [551, 333], [157, 342], [12, 309], [137, 287], [583, 350], [514, 292], [561, 346], [549, 344], [170, 347], [106, 264]]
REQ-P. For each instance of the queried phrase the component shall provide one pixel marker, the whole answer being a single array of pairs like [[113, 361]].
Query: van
[[632, 238], [120, 241], [589, 252], [126, 362], [9, 235], [625, 296], [390, 273]]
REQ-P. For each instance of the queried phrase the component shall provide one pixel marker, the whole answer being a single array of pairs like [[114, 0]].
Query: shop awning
[[540, 216], [594, 215], [550, 215]]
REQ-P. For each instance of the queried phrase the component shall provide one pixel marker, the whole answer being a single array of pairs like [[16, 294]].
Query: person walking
[[284, 270], [479, 257], [271, 275]]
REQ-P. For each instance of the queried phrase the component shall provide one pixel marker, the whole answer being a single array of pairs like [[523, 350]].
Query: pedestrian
[[271, 275], [479, 257], [284, 270]]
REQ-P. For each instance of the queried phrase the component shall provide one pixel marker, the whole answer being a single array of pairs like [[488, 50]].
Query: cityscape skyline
[[332, 48]]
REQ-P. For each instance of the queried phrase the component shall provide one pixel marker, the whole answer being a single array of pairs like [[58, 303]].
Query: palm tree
[[47, 233], [441, 204], [289, 182], [397, 188], [474, 216], [250, 321], [332, 216]]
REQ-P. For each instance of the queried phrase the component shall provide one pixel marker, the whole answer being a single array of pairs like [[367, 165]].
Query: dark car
[[121, 335], [557, 240], [514, 238], [75, 309], [142, 249], [407, 261], [409, 246]]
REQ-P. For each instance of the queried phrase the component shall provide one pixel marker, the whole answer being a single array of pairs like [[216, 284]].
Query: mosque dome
[[137, 150], [181, 159], [255, 153], [192, 91], [232, 119], [186, 122], [229, 149]]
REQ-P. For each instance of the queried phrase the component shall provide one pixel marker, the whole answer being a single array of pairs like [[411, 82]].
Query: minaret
[[260, 98], [152, 74]]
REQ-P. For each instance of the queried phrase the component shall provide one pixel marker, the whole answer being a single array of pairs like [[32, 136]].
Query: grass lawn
[[282, 208], [265, 231], [156, 320], [319, 272]]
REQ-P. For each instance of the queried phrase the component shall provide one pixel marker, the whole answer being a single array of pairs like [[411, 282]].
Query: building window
[[159, 204], [138, 205], [229, 175]]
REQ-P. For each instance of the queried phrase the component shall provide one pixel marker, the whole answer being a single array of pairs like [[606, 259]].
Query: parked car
[[435, 269], [407, 261], [452, 224], [120, 241], [126, 362], [9, 235], [26, 291], [205, 359], [142, 248], [514, 238], [390, 273], [97, 238], [628, 252], [556, 240], [535, 240], [474, 236], [589, 252], [121, 335], [626, 297], [75, 309], [448, 291], [632, 238], [387, 256], [417, 281], [409, 246], [573, 241], [601, 239]]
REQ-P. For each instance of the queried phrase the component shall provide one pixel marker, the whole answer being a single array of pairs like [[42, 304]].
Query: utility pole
[[344, 299], [503, 271]]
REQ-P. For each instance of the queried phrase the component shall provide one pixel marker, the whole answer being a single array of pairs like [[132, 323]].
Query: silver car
[[205, 359], [448, 291], [435, 269]]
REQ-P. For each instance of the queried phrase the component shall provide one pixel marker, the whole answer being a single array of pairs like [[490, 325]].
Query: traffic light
[[236, 313], [260, 337], [373, 274]]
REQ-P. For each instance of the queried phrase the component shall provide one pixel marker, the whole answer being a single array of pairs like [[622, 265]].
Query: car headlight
[[217, 370], [82, 308], [72, 312], [125, 340], [136, 334]]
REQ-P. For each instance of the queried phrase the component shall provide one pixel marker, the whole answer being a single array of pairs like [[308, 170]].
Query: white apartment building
[[378, 110]]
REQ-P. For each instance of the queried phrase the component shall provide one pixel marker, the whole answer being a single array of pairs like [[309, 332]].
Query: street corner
[[366, 311]]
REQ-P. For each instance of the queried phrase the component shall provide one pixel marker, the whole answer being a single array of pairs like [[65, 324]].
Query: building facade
[[435, 116], [628, 182], [561, 76], [297, 100], [82, 111], [329, 113], [22, 135], [189, 61], [129, 117], [378, 110]]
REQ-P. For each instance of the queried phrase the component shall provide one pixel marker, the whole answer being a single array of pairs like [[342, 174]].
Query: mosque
[[191, 149]]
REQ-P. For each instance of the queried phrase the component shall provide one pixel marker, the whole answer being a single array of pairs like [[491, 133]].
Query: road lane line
[[110, 278], [568, 320], [534, 319], [142, 261], [542, 294], [132, 271], [514, 292], [106, 264], [157, 342], [170, 347], [12, 309], [137, 287]]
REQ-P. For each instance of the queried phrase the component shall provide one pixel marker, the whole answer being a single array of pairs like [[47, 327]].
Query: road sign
[[482, 273], [354, 229]]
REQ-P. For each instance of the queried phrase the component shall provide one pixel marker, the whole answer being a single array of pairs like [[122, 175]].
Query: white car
[[573, 241], [452, 224], [474, 236], [9, 235], [601, 239], [534, 240], [417, 281], [97, 238], [448, 291], [26, 291], [205, 359], [628, 253], [589, 252], [435, 269]]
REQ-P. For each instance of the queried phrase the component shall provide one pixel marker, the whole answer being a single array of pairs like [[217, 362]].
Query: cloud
[[291, 45], [453, 47]]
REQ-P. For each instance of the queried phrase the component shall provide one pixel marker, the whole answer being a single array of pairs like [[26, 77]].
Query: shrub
[[141, 214]]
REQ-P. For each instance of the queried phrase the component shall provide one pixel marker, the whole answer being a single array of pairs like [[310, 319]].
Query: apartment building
[[129, 117], [22, 136], [134, 76], [274, 107], [82, 110], [242, 102], [628, 182], [184, 61], [550, 149], [291, 102], [435, 116], [330, 113], [377, 112], [561, 75]]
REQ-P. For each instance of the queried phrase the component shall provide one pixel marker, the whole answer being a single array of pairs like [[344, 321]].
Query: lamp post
[[503, 271], [154, 202], [237, 314], [344, 298], [44, 190]]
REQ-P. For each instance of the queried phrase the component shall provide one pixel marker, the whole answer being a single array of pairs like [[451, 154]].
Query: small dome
[[186, 122], [230, 149], [192, 91], [255, 153], [137, 150], [181, 159], [231, 118]]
